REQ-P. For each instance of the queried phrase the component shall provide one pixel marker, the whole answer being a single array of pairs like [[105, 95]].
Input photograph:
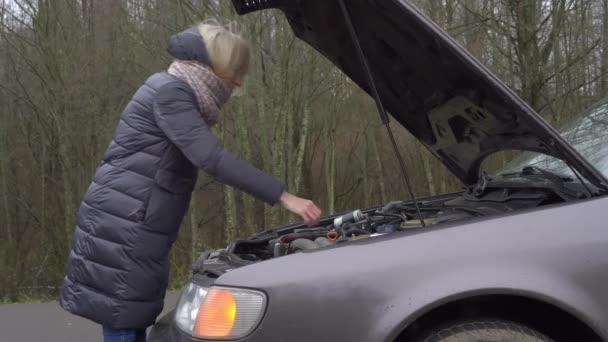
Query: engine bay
[[487, 198]]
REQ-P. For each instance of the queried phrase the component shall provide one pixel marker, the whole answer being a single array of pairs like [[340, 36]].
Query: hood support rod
[[383, 115]]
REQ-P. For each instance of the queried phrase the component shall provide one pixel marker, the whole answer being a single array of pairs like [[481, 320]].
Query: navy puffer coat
[[117, 270]]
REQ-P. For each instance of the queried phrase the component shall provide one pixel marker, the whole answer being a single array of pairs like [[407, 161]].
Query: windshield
[[587, 132]]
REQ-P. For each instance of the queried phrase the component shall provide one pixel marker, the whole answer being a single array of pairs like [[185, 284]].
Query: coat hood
[[188, 45], [429, 83]]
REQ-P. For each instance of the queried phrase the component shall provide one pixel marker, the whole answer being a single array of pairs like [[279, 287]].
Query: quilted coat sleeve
[[177, 115]]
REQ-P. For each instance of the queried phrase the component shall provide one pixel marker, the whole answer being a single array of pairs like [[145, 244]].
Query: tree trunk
[[195, 234], [527, 47], [278, 163], [230, 223], [68, 197], [365, 171], [4, 162], [43, 184], [330, 170], [244, 143], [230, 214], [381, 179], [428, 171], [556, 108], [604, 76], [301, 149]]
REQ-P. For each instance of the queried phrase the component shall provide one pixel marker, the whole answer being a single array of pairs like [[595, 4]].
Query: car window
[[586, 132]]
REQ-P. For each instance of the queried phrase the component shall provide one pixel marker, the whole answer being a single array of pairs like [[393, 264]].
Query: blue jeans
[[124, 335]]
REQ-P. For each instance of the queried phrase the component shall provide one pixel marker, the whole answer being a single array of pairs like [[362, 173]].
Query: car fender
[[527, 281]]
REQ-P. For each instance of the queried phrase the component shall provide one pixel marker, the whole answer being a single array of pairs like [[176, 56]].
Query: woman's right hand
[[304, 208]]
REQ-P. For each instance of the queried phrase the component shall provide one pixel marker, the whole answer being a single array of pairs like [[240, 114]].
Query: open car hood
[[429, 83]]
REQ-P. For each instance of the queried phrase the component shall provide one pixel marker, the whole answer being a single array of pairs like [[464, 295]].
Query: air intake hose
[[302, 245]]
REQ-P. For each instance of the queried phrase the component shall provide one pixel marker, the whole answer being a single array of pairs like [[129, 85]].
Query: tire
[[485, 331]]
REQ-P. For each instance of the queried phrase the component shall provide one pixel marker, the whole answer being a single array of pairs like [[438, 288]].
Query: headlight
[[188, 305], [229, 313]]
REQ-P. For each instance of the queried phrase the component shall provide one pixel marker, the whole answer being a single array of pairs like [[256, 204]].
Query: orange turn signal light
[[216, 315]]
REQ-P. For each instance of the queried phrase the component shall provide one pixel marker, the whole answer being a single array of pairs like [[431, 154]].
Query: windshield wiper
[[580, 179], [557, 179]]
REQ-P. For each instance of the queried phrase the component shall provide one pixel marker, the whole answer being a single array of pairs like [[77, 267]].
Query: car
[[520, 254]]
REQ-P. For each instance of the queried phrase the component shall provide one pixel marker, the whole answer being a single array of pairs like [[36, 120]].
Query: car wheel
[[485, 331]]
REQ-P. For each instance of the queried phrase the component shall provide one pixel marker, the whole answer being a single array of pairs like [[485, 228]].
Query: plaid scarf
[[210, 91]]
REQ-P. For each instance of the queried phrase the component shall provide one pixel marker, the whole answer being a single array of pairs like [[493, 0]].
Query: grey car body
[[528, 246], [542, 262]]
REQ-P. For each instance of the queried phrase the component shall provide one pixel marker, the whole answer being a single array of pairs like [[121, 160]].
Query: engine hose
[[287, 238], [355, 230], [302, 245], [388, 215], [472, 210], [311, 230], [322, 242], [281, 245]]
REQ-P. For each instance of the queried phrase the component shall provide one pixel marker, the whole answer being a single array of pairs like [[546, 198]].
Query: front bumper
[[165, 330]]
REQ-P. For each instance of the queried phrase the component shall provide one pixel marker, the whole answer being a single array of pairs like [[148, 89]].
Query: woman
[[117, 271]]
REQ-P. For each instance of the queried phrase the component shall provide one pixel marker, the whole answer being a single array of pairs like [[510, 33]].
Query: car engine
[[489, 197]]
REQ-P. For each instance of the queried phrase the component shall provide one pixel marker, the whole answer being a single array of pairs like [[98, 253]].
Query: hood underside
[[431, 85]]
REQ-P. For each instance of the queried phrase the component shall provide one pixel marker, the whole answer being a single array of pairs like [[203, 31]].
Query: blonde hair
[[229, 52]]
